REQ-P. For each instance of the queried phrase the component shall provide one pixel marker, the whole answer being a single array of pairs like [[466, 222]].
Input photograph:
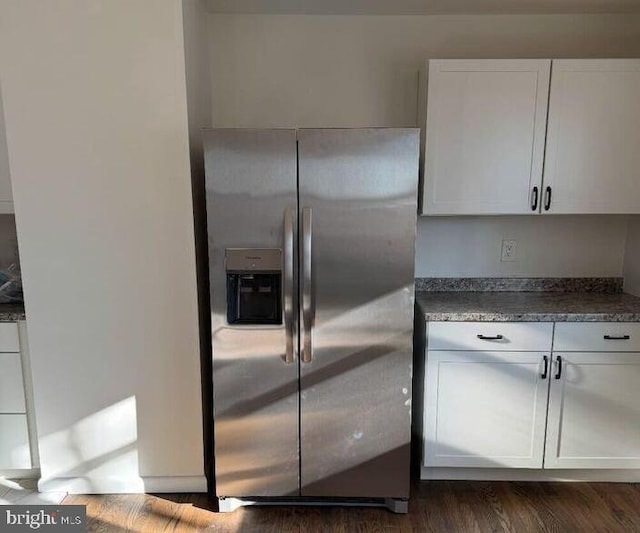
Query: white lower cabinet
[[571, 409], [12, 398], [15, 452], [14, 442], [594, 411], [485, 409]]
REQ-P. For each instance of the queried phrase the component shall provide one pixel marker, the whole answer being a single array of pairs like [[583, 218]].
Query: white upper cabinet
[[485, 134], [593, 143]]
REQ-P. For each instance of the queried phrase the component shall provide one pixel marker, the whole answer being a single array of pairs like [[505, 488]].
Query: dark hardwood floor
[[438, 506]]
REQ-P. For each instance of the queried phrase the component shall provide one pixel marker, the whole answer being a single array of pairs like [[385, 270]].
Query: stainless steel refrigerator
[[311, 262]]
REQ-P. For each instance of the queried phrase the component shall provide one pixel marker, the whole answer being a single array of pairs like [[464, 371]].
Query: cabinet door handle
[[490, 338], [547, 199], [559, 363], [617, 338], [534, 199], [545, 371]]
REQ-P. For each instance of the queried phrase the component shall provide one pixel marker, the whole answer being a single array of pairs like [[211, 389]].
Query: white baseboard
[[175, 484], [20, 473], [147, 484], [523, 474]]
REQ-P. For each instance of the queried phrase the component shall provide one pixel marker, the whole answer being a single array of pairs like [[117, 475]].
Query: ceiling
[[421, 7]]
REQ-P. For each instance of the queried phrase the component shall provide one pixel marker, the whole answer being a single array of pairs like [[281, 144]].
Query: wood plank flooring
[[435, 506]]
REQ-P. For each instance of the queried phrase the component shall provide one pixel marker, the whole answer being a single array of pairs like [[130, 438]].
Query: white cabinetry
[[486, 388], [15, 448], [596, 337], [592, 158], [487, 134], [594, 402], [485, 128], [490, 336], [14, 442], [576, 407], [11, 384], [594, 411], [485, 409]]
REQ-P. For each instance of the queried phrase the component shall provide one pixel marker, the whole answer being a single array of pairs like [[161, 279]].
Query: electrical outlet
[[508, 250]]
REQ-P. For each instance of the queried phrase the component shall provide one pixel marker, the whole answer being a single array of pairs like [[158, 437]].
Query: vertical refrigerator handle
[[307, 304], [288, 284]]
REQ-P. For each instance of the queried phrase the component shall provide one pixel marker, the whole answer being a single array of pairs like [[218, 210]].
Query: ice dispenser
[[254, 286]]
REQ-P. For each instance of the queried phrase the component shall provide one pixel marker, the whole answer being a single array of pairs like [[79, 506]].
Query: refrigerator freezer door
[[252, 204], [355, 403]]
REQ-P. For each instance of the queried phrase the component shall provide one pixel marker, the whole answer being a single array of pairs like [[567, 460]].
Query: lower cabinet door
[[485, 409], [594, 411], [11, 384], [14, 442]]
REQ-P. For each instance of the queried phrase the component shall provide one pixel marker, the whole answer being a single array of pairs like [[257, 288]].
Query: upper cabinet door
[[592, 160], [485, 134]]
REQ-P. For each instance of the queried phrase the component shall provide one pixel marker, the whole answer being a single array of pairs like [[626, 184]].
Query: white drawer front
[[11, 384], [9, 341], [492, 336], [597, 337], [14, 442]]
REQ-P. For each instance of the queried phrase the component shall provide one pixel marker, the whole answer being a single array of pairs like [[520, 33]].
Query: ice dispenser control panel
[[254, 286]]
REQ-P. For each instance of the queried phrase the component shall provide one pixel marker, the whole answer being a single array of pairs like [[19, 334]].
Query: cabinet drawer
[[597, 337], [493, 336], [9, 341], [11, 384], [14, 442]]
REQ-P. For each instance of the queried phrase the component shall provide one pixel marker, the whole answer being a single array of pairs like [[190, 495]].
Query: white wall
[[95, 107], [198, 73], [314, 71], [547, 246]]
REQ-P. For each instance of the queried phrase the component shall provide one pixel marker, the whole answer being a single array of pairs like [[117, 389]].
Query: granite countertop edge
[[524, 306], [12, 312], [531, 317]]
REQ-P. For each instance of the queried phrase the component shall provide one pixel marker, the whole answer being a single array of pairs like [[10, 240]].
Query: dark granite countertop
[[12, 312], [528, 306]]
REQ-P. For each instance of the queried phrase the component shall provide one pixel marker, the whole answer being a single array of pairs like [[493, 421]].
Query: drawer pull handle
[[559, 372], [545, 372], [488, 338], [618, 338]]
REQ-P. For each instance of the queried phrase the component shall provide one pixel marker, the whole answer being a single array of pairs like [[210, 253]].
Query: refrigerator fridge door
[[357, 196], [252, 225]]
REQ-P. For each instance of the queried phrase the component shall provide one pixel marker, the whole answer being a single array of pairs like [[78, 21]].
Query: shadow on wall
[[101, 447]]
